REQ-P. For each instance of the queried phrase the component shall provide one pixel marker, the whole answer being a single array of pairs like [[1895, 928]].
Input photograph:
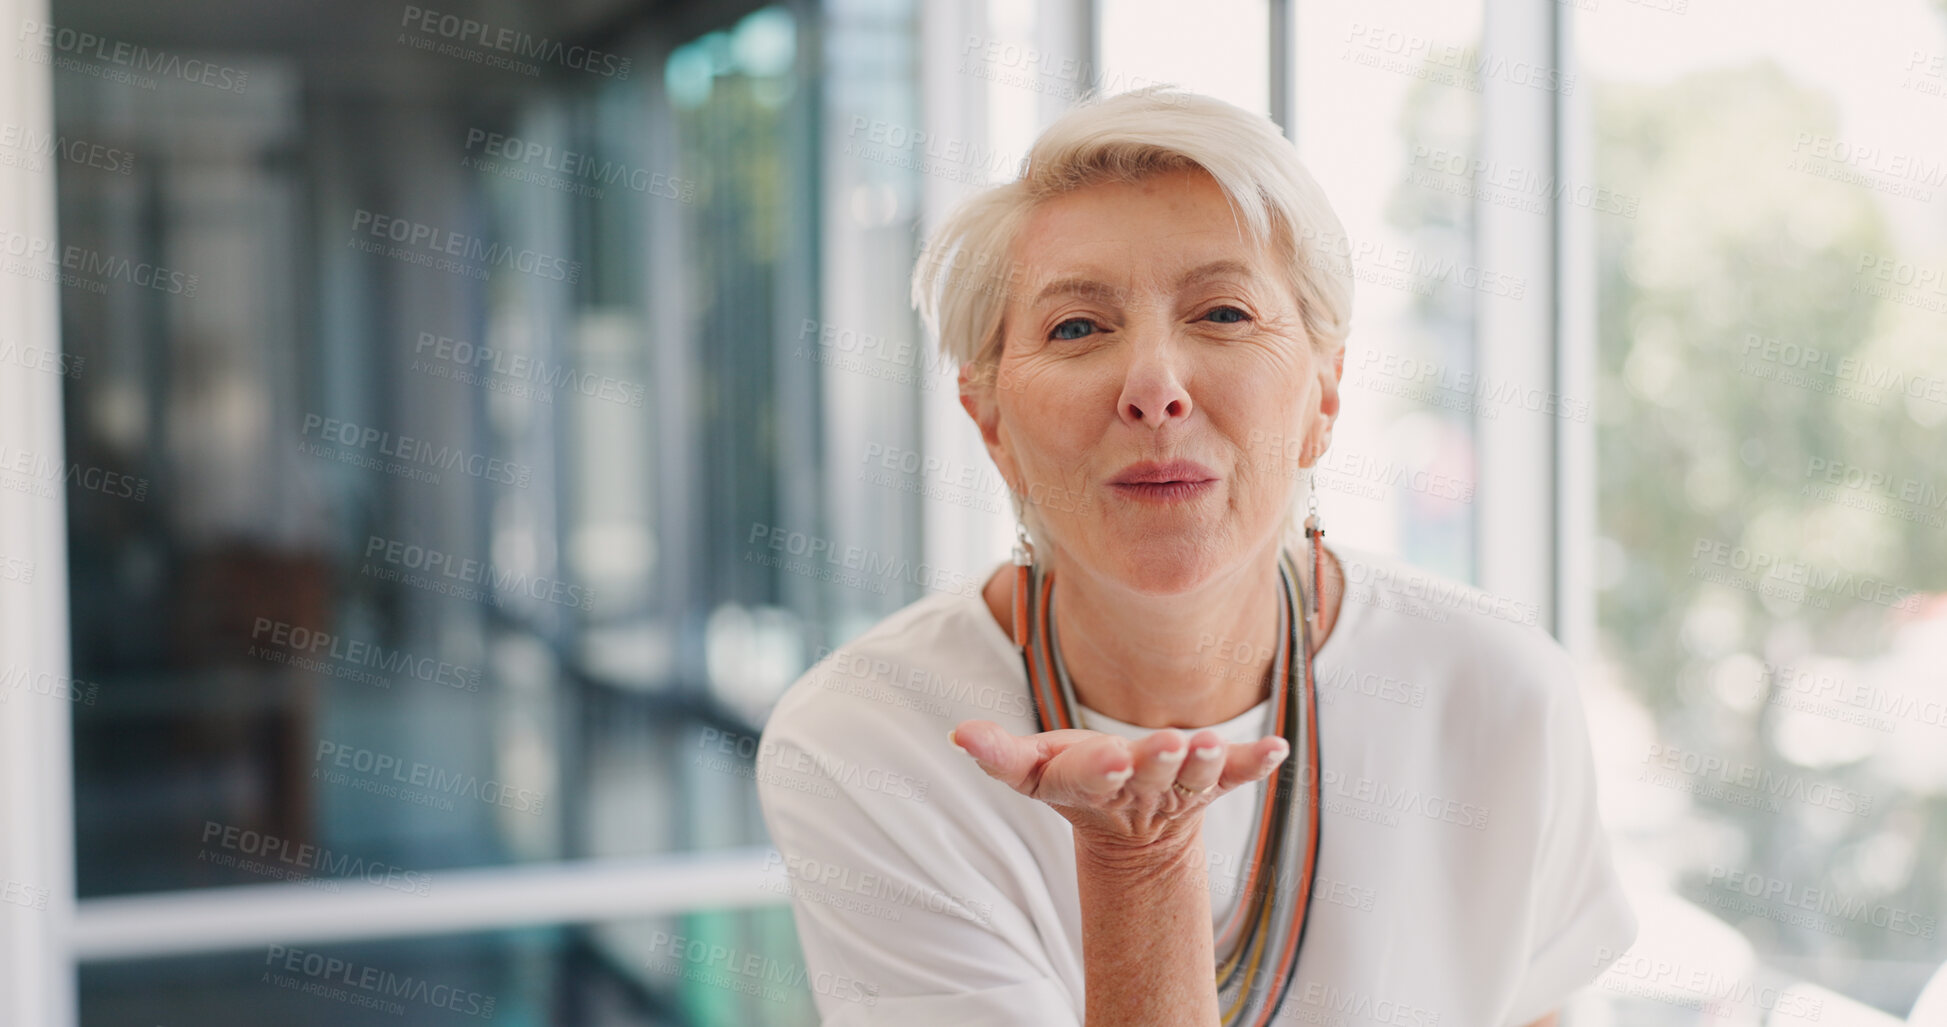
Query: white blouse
[[1463, 876]]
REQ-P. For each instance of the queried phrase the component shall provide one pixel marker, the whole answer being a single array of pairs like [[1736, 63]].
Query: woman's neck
[[1186, 661]]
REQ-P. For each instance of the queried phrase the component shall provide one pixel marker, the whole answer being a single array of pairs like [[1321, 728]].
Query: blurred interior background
[[442, 387]]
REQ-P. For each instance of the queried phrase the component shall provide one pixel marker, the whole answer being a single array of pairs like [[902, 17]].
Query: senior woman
[[1180, 762]]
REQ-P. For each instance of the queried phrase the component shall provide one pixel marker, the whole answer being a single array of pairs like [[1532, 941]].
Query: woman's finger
[[1005, 757], [1090, 773], [1250, 761], [1014, 760], [1159, 758], [1205, 764]]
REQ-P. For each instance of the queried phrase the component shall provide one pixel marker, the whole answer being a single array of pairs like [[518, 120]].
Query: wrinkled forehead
[[1110, 250]]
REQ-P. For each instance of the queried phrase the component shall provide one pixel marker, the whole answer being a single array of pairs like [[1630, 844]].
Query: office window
[[1390, 130], [465, 410], [1771, 706]]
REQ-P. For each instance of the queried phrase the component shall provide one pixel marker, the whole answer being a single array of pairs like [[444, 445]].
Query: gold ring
[[1178, 785]]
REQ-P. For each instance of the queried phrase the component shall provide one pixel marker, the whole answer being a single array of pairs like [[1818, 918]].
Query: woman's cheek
[[1037, 468], [1257, 490], [1273, 471]]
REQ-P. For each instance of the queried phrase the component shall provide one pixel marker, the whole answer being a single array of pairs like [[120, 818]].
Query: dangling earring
[[1315, 531], [1023, 573]]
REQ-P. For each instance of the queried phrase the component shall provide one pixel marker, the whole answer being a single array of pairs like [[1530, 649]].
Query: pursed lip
[[1154, 472]]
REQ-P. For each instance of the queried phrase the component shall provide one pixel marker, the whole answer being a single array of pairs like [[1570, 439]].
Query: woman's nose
[[1153, 392]]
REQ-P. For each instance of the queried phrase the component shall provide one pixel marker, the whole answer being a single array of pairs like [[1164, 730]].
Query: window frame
[[36, 783]]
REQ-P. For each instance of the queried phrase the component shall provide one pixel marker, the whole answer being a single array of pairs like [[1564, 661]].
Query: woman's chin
[[1165, 568]]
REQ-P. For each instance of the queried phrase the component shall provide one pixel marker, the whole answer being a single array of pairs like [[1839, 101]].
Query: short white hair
[[961, 282]]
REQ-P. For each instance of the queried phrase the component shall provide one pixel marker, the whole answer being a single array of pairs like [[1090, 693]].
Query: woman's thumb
[[970, 739], [991, 747]]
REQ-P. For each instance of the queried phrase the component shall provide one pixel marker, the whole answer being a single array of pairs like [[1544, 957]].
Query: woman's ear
[[971, 400], [979, 399], [1319, 439], [1328, 385]]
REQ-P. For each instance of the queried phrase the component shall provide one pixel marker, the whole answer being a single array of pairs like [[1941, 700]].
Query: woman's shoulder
[[931, 664], [1455, 683], [1472, 639], [863, 731]]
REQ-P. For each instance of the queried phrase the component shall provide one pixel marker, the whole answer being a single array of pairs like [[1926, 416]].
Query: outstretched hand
[[1120, 794]]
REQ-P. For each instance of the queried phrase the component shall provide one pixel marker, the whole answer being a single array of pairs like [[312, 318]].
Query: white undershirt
[[1463, 877]]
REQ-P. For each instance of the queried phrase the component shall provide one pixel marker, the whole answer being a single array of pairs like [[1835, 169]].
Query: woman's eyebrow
[[1090, 288], [1226, 268], [1078, 285]]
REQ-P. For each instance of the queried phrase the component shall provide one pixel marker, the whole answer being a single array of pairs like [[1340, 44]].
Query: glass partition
[[440, 372], [1770, 700]]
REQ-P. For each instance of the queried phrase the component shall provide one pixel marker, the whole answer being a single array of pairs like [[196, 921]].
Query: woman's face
[[1157, 392]]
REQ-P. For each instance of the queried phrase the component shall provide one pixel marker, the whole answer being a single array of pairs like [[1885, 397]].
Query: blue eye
[[1062, 333], [1239, 319]]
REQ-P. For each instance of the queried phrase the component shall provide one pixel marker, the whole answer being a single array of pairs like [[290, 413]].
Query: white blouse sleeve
[[921, 916], [1581, 920]]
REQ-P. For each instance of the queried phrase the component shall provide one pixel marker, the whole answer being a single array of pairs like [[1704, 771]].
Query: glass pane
[[1773, 494], [447, 367], [706, 969], [1385, 111], [1218, 47], [872, 366]]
